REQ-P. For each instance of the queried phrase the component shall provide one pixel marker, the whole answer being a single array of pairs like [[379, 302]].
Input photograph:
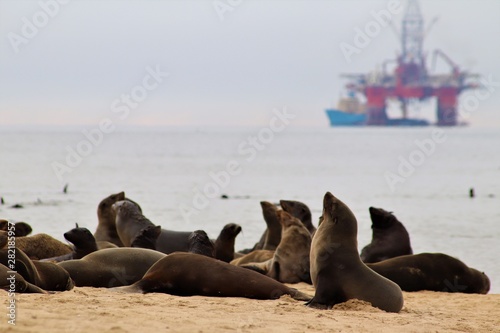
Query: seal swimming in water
[[133, 228], [111, 267], [189, 274], [301, 211], [224, 244], [432, 271], [337, 272], [390, 238], [290, 262], [200, 243]]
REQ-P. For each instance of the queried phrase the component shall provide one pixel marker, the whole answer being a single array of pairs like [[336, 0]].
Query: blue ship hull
[[341, 118]]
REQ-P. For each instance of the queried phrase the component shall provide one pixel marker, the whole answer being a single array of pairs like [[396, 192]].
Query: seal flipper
[[260, 267], [326, 295], [300, 296]]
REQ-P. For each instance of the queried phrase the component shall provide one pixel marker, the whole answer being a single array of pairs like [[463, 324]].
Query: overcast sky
[[225, 68]]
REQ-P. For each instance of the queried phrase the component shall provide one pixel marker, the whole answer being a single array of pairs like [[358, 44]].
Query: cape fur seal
[[133, 228], [106, 228], [41, 246], [301, 211], [21, 229], [256, 256], [337, 272], [224, 244], [199, 243], [290, 262], [272, 235], [189, 274], [432, 271], [46, 275], [83, 243], [390, 238], [171, 241], [111, 267], [9, 279]]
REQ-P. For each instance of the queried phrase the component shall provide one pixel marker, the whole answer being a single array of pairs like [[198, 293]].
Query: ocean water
[[423, 175]]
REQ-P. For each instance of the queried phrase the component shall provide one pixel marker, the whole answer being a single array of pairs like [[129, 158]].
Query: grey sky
[[263, 55]]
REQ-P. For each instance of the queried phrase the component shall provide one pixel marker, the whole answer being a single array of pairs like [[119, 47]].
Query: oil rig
[[410, 83]]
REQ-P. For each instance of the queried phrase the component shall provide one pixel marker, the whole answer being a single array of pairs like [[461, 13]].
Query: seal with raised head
[[271, 237], [83, 243], [199, 243], [390, 238], [106, 229], [109, 268], [133, 228], [432, 271], [337, 272], [301, 211], [224, 244], [189, 274], [290, 262]]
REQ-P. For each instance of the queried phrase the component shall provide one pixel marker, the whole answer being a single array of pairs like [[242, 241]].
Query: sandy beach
[[99, 310]]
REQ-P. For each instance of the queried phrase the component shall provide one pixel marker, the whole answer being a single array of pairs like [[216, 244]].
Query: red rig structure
[[411, 82]]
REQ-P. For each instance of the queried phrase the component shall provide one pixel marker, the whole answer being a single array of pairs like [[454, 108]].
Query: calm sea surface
[[170, 173]]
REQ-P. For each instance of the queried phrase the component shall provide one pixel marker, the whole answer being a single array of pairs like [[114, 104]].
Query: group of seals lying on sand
[[131, 254]]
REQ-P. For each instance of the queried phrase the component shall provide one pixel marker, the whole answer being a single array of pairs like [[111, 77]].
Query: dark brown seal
[[46, 275], [8, 279], [224, 244], [390, 238], [188, 274], [337, 272], [301, 211], [199, 243], [111, 267], [433, 271]]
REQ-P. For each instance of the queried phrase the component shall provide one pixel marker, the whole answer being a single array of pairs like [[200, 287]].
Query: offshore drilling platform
[[410, 83]]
